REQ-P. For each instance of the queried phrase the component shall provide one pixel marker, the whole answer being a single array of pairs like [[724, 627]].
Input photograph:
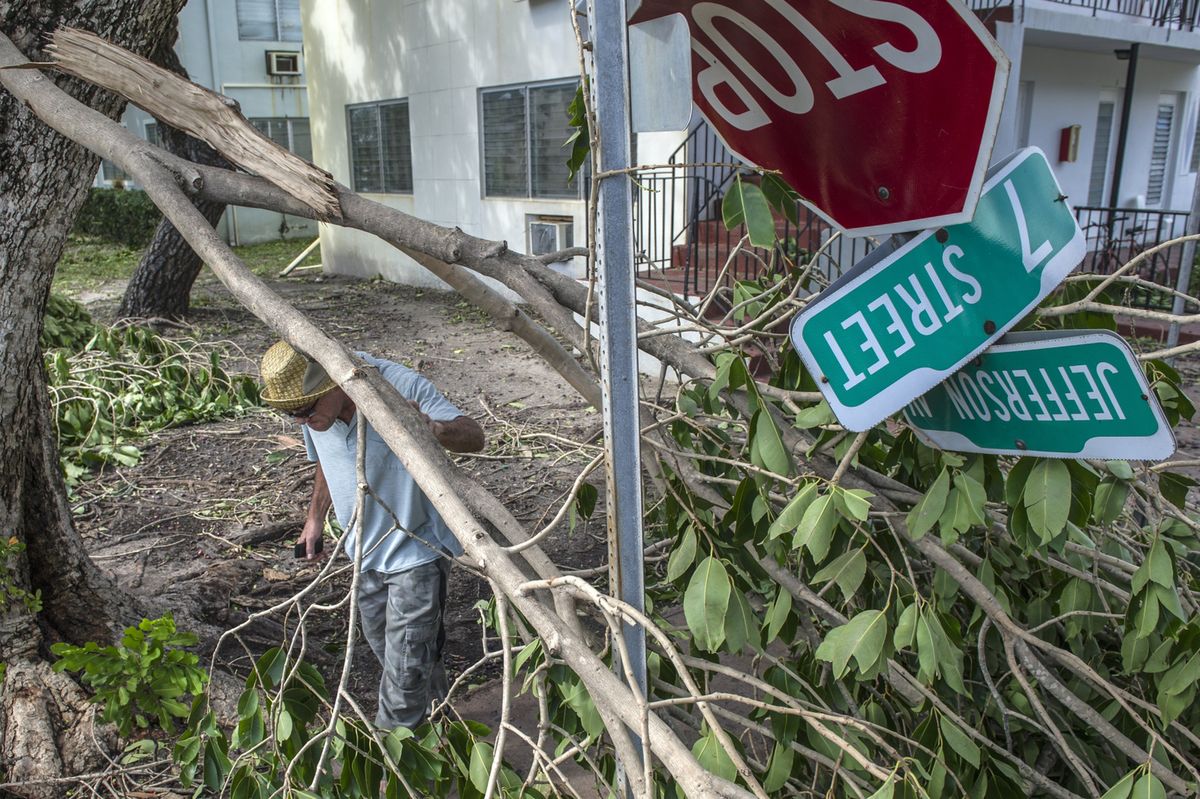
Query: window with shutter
[[269, 20], [505, 145], [380, 147], [1160, 151], [524, 128], [549, 128], [1100, 148], [1194, 166]]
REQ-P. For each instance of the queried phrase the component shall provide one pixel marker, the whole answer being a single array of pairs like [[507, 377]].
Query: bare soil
[[208, 518]]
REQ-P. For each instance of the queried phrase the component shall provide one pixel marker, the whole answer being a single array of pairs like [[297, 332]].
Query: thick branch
[[195, 110]]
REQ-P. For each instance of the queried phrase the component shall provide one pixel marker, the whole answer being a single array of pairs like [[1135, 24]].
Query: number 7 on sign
[[1031, 260]]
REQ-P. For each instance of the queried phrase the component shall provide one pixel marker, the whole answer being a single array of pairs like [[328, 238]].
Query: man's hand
[[310, 539]]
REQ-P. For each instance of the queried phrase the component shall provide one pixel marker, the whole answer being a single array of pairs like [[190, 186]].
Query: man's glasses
[[303, 412]]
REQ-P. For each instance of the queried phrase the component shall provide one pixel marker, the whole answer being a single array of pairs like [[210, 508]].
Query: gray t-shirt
[[387, 543]]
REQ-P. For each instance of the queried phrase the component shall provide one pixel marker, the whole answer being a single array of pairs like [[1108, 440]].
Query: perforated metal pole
[[618, 333]]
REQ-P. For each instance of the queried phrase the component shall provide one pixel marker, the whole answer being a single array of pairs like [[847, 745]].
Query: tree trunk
[[161, 286], [43, 182]]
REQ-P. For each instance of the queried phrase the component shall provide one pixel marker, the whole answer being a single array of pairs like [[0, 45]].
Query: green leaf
[[789, 518], [1111, 496], [777, 615], [1174, 488], [886, 791], [929, 509], [1120, 469], [816, 528], [713, 757], [781, 197], [855, 503], [862, 638], [814, 416], [1123, 787], [683, 555], [959, 741], [906, 628], [745, 203], [847, 571], [927, 653], [767, 448], [780, 767], [1148, 786], [706, 602], [1047, 498], [283, 728], [741, 626], [481, 765]]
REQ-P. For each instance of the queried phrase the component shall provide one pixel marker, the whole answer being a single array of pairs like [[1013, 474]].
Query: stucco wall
[[1067, 90], [242, 75], [437, 54]]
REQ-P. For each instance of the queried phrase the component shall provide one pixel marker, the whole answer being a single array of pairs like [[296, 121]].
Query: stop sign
[[881, 114]]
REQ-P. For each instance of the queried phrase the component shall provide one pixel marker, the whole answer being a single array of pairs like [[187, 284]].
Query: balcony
[[1170, 14]]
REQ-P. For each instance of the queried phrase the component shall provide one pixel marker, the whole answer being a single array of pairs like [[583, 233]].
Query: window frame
[[378, 105], [526, 87], [289, 125], [278, 28]]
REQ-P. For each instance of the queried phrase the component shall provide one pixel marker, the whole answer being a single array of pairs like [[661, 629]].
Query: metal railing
[[1178, 14], [678, 224], [1115, 236]]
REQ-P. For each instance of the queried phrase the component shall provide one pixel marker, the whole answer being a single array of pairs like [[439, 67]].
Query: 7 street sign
[[1062, 394], [906, 318], [881, 114]]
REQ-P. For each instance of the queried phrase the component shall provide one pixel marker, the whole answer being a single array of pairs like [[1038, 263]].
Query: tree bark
[[43, 182], [161, 285]]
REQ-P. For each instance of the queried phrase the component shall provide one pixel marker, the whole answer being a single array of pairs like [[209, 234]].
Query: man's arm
[[318, 508], [461, 434]]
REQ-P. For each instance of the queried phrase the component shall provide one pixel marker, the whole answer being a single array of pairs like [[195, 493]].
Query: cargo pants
[[401, 617]]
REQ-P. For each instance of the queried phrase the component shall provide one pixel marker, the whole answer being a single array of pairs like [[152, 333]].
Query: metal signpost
[[909, 316], [618, 333], [1058, 394], [881, 115]]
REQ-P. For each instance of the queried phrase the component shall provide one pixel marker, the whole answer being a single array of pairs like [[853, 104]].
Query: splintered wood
[[195, 110]]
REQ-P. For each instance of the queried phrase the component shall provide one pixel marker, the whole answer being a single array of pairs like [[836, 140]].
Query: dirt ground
[[200, 493]]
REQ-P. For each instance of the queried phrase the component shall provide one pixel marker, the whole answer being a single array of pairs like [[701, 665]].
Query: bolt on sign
[[911, 314], [1059, 394], [882, 115]]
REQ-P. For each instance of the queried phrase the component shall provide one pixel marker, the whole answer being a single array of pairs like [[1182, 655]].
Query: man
[[406, 545]]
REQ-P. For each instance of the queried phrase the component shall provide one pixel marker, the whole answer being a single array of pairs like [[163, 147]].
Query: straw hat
[[290, 380]]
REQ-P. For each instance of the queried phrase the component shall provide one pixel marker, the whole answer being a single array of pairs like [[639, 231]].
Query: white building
[[1071, 63], [250, 51], [454, 111]]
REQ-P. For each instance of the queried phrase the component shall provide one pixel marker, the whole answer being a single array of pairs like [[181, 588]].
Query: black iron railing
[[678, 224], [1178, 14], [1115, 236]]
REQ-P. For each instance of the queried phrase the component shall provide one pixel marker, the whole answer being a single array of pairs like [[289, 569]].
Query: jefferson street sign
[[907, 317], [1061, 394], [882, 114]]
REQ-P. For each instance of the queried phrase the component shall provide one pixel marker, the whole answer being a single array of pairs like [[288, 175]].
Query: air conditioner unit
[[283, 62], [550, 235]]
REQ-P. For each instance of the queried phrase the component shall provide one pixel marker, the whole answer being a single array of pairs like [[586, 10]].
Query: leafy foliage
[[110, 385], [143, 678], [119, 215], [276, 744], [10, 588]]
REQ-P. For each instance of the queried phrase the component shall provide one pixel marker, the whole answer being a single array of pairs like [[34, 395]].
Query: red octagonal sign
[[881, 114]]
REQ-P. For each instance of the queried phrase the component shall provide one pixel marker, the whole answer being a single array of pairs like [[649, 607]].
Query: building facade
[[250, 51], [454, 111], [1079, 66]]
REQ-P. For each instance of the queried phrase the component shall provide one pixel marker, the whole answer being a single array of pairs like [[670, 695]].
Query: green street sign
[[912, 313], [1060, 394]]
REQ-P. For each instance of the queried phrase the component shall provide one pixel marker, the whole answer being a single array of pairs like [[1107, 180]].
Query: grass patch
[[89, 262]]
